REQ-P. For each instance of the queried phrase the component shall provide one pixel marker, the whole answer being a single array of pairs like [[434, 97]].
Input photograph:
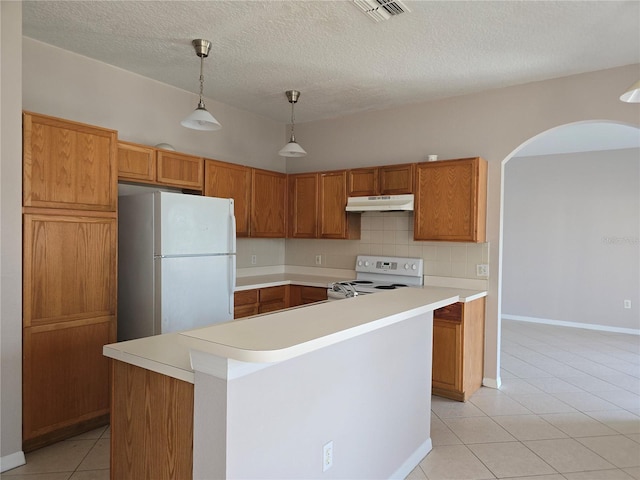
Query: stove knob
[[414, 267], [359, 263], [366, 264], [406, 266]]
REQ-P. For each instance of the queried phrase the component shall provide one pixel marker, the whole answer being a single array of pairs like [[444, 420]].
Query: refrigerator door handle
[[232, 232]]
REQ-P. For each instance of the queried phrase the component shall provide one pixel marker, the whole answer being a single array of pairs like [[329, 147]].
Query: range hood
[[384, 203]]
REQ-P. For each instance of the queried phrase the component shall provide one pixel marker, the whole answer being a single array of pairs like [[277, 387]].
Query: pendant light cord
[[201, 80]]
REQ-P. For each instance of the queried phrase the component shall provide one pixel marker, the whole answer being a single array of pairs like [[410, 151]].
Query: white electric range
[[377, 274]]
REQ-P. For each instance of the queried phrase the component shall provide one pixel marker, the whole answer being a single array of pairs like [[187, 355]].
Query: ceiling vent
[[379, 10]]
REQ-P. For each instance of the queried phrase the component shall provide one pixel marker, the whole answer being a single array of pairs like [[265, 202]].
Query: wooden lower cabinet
[[260, 300], [458, 349], [304, 295], [271, 299], [245, 303], [151, 425], [69, 313], [65, 379]]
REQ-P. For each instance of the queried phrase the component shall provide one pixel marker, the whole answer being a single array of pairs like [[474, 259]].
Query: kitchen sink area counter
[[277, 279]]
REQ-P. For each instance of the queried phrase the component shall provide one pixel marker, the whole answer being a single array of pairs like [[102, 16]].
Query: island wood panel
[[363, 182], [151, 425], [334, 222], [136, 162], [451, 199], [69, 267], [180, 170], [268, 204], [303, 205], [65, 379], [396, 179], [227, 180], [68, 164]]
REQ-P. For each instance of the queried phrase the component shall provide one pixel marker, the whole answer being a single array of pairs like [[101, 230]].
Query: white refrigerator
[[176, 263]]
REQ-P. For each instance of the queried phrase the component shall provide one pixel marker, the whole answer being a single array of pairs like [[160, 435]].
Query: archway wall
[[570, 238], [489, 124]]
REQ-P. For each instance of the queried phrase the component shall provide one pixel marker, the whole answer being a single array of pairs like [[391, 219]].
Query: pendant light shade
[[292, 149], [632, 95], [200, 118]]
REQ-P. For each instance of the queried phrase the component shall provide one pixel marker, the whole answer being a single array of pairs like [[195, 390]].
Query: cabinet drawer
[[271, 306], [450, 312], [312, 294], [273, 293], [245, 297], [240, 311]]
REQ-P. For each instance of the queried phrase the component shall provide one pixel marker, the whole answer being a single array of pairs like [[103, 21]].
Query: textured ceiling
[[342, 61]]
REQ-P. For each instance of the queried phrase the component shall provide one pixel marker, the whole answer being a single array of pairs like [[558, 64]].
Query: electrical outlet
[[482, 270], [627, 304], [254, 259], [318, 259], [327, 456]]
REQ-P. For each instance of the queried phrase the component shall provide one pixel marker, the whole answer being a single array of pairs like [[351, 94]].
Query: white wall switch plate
[[327, 456], [482, 270]]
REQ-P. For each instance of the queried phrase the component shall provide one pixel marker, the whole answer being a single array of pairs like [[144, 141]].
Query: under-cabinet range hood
[[383, 203]]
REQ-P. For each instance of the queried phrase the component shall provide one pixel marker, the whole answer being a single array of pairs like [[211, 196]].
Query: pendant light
[[292, 149], [201, 119], [632, 95]]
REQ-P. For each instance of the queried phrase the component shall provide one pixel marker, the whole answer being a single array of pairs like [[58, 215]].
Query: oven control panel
[[405, 266]]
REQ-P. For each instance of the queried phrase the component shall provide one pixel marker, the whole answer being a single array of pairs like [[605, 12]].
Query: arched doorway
[[561, 240]]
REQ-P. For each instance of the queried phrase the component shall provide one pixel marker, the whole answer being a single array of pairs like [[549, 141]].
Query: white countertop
[[282, 335], [273, 280]]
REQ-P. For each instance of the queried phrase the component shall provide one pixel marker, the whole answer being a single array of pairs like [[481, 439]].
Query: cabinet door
[[447, 357], [332, 200], [303, 206], [363, 182], [227, 180], [268, 204], [69, 268], [68, 165], [451, 199], [65, 379], [304, 295], [396, 179], [136, 162], [180, 170]]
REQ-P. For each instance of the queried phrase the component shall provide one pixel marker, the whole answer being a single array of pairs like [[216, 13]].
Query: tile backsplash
[[383, 233]]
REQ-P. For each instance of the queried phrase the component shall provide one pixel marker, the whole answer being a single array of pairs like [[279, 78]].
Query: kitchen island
[[272, 391]]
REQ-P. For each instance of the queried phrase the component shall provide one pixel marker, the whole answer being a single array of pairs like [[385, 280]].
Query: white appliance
[[377, 274], [384, 203], [176, 263]]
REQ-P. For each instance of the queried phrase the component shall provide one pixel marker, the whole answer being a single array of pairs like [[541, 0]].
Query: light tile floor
[[568, 409]]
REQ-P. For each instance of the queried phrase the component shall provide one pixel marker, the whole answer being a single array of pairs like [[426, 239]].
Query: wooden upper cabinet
[[303, 206], [268, 204], [69, 268], [136, 162], [228, 180], [386, 180], [333, 220], [363, 182], [180, 170], [396, 179], [451, 200], [68, 165]]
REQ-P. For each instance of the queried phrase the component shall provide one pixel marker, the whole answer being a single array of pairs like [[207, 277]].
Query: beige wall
[[10, 236]]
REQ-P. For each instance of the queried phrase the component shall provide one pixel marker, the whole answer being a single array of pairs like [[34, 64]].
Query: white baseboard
[[412, 462], [491, 382], [11, 461], [562, 323]]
